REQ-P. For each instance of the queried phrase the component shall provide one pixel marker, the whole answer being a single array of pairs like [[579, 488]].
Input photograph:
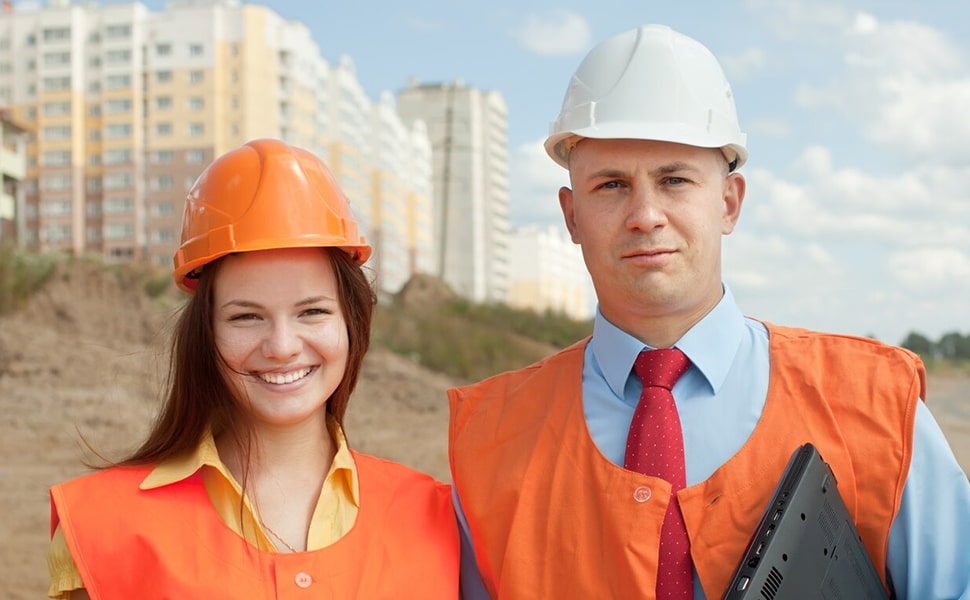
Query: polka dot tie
[[655, 446]]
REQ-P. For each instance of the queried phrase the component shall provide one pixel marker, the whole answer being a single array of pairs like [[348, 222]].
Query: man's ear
[[732, 194], [566, 204]]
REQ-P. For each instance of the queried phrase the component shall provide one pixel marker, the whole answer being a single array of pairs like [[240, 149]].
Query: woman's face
[[281, 332]]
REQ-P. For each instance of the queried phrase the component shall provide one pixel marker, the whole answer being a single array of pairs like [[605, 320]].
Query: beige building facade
[[127, 106]]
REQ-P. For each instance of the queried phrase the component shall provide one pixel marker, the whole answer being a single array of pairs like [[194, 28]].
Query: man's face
[[649, 217]]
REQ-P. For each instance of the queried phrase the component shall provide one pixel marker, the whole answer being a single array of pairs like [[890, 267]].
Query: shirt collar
[[710, 344], [175, 469]]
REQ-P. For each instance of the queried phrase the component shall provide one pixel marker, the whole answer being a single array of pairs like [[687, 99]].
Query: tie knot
[[661, 367]]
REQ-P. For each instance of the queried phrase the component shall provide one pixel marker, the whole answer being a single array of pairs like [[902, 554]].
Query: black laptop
[[806, 546]]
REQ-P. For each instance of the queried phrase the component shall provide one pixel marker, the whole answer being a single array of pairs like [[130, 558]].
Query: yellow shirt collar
[[172, 470]]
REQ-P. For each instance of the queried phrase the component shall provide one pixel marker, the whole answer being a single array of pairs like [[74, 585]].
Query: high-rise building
[[553, 278], [469, 140], [127, 106]]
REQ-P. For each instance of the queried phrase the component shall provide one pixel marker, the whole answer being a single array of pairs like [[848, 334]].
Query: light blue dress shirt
[[720, 399]]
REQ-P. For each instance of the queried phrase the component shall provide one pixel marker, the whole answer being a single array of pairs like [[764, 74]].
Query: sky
[[857, 214]]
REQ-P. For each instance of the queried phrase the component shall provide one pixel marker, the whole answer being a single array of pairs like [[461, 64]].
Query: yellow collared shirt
[[333, 516]]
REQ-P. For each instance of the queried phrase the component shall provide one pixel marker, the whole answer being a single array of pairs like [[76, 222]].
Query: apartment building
[[127, 106], [553, 276], [469, 138], [13, 169]]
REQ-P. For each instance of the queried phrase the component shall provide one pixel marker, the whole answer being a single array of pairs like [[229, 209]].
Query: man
[[550, 482]]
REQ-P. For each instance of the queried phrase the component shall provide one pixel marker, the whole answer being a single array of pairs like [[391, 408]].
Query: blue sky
[[857, 218]]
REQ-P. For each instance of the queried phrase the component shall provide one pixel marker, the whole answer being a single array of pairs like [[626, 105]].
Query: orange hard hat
[[263, 195]]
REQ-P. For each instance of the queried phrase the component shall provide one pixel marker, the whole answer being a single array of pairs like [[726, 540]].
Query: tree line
[[951, 346]]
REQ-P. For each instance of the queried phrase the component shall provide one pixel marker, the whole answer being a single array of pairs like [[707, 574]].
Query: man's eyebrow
[[675, 167], [609, 173]]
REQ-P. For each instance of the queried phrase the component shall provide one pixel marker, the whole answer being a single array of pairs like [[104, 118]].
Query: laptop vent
[[772, 584], [828, 522]]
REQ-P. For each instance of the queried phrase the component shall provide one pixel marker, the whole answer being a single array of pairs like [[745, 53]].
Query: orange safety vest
[[169, 542], [551, 517]]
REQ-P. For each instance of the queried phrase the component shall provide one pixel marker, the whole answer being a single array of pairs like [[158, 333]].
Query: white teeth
[[281, 378]]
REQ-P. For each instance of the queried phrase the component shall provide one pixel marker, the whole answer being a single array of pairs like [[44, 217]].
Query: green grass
[[22, 274], [471, 341]]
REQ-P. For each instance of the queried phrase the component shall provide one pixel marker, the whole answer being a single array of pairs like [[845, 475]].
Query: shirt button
[[303, 580], [641, 494]]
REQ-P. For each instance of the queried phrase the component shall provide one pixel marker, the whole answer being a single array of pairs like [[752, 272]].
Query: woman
[[245, 487]]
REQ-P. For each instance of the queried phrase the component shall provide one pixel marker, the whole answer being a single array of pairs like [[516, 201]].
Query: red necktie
[[655, 446]]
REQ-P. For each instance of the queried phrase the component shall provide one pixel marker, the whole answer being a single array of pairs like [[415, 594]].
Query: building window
[[117, 105], [163, 49], [57, 59], [54, 109], [55, 208], [57, 34], [117, 156], [122, 205], [117, 31], [56, 158], [162, 157], [53, 84], [195, 157], [196, 103], [196, 50], [117, 81], [163, 209], [118, 181], [163, 102], [163, 76], [196, 129], [163, 129], [118, 231], [57, 132], [162, 182], [55, 183], [119, 56], [117, 130], [195, 77]]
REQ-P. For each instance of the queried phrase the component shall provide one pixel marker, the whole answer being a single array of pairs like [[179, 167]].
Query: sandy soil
[[77, 362]]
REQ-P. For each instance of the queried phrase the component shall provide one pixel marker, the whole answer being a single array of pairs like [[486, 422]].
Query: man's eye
[[676, 180]]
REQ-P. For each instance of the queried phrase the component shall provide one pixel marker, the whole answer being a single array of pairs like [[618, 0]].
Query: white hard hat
[[649, 83]]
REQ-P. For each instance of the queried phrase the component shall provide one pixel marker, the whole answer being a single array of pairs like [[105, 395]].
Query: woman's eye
[[243, 317], [312, 312]]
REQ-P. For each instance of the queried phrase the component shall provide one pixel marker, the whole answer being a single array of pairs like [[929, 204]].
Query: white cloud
[[555, 33], [906, 84], [795, 19], [777, 128], [745, 65], [934, 267], [535, 181]]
